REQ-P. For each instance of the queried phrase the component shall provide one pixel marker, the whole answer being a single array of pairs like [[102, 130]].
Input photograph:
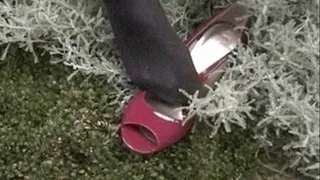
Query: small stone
[[81, 171], [154, 174]]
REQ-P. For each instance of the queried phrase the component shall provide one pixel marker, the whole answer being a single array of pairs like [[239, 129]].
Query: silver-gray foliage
[[273, 83]]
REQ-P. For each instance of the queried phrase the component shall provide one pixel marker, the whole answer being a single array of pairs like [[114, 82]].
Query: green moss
[[50, 129], [278, 73]]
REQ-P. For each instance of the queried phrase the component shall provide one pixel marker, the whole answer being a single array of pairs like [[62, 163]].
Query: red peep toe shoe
[[149, 126]]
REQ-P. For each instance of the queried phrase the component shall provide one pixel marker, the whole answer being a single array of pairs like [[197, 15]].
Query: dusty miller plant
[[273, 82]]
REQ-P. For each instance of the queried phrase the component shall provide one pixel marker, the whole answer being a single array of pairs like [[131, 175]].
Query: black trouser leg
[[154, 56]]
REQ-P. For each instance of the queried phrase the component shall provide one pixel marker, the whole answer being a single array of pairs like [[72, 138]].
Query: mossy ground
[[50, 128]]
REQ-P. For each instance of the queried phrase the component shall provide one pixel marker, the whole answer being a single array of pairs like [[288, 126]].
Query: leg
[[154, 56]]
